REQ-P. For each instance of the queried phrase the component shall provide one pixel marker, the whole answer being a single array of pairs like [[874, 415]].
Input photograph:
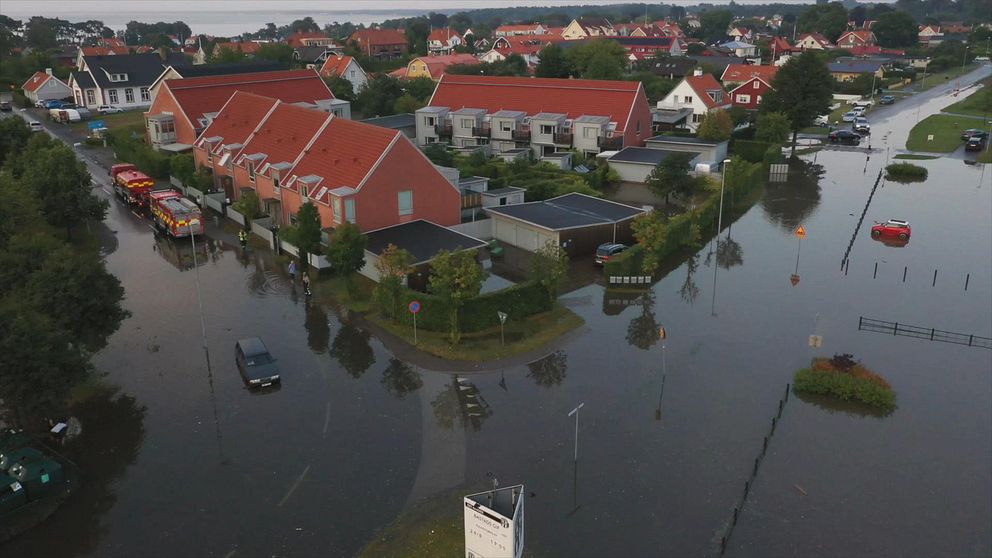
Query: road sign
[[661, 333], [816, 341], [794, 279], [502, 317], [801, 232], [96, 124], [414, 306], [494, 523]]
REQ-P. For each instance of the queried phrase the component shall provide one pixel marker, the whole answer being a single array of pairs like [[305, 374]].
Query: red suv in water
[[892, 228]]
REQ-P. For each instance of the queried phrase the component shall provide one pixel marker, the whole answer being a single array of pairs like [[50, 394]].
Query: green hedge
[[134, 150], [627, 262], [518, 301], [751, 150], [844, 386], [905, 171]]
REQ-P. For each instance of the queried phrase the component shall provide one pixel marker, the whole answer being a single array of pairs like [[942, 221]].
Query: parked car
[[108, 109], [822, 120], [844, 136], [886, 100], [606, 251], [975, 143], [35, 126], [892, 228], [973, 132], [5, 106], [862, 103], [256, 365], [859, 111], [850, 116], [862, 126]]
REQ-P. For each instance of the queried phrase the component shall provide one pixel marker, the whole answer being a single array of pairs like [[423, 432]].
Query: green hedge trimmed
[[751, 150], [627, 262], [134, 150], [518, 301], [844, 386], [905, 171]]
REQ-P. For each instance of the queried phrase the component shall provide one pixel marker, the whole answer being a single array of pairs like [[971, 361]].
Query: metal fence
[[929, 334], [630, 279]]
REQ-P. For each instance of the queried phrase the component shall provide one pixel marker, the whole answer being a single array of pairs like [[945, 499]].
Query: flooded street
[[184, 461]]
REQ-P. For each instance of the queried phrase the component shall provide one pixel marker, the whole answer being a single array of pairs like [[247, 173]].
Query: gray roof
[[668, 116], [549, 116], [509, 114], [588, 119], [422, 239], [142, 69], [674, 66], [570, 211], [683, 139], [503, 191], [250, 67], [394, 122], [434, 109], [855, 67], [737, 44], [641, 155], [471, 111], [84, 79]]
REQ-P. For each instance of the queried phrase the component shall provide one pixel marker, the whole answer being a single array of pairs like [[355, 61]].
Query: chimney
[[697, 72], [48, 71]]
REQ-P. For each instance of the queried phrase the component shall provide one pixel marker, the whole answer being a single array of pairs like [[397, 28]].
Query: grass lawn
[[978, 103], [946, 131], [915, 157], [985, 157], [112, 121], [521, 336], [934, 80]]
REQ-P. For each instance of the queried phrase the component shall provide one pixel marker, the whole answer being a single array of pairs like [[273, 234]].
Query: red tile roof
[[574, 97], [103, 50], [705, 84], [238, 117], [111, 42], [862, 35], [374, 37], [443, 35], [740, 73], [344, 153], [334, 65], [245, 47], [284, 134], [197, 96], [35, 81], [781, 45]]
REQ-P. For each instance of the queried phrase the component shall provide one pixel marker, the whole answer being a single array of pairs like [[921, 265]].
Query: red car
[[893, 228]]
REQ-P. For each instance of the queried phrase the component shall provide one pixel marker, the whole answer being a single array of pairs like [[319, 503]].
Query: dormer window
[[118, 77]]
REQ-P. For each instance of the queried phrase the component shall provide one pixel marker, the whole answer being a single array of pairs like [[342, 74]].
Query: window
[[546, 129], [589, 132], [505, 126], [129, 95], [112, 95], [337, 210], [275, 182], [638, 127], [757, 84], [349, 210], [430, 139], [251, 171], [145, 95], [90, 97], [688, 99], [759, 99], [351, 73], [405, 199], [696, 118], [745, 99], [468, 122], [429, 120]]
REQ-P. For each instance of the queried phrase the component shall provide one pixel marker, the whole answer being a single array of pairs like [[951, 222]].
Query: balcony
[[471, 199], [610, 143], [562, 138], [520, 135], [481, 131], [443, 130]]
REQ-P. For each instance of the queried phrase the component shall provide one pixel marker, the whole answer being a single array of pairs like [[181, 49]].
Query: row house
[[544, 115], [183, 108], [122, 80], [345, 67], [588, 28], [859, 38], [513, 30], [443, 41], [352, 172], [384, 44], [698, 93]]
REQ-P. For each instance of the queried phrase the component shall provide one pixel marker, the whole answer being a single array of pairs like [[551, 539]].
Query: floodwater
[[186, 462]]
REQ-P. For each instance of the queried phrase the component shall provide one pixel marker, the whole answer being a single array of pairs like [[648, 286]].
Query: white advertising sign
[[490, 534]]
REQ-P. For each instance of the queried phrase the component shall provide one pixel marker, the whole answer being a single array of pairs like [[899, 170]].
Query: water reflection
[[550, 370], [461, 403], [179, 252], [833, 405], [399, 378], [113, 430], [689, 291], [789, 203], [352, 350], [729, 253], [642, 331], [318, 328], [616, 301]]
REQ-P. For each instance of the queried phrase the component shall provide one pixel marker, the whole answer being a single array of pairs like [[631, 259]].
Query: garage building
[[578, 222], [634, 164]]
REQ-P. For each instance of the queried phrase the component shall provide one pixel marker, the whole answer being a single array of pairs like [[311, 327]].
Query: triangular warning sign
[[801, 232]]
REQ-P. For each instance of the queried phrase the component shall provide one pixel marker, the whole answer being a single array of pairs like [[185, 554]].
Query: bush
[[905, 172], [751, 150], [21, 100], [479, 313], [129, 146], [845, 386], [627, 262]]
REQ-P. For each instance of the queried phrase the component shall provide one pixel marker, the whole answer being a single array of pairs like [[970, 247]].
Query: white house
[[699, 92], [43, 86], [122, 80], [346, 67], [443, 41]]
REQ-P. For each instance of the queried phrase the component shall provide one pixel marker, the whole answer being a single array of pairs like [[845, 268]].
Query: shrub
[[844, 386], [905, 172], [478, 313], [751, 150], [628, 262]]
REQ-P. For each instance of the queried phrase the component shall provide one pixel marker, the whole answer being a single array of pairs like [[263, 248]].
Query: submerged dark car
[[887, 100], [256, 365], [975, 143]]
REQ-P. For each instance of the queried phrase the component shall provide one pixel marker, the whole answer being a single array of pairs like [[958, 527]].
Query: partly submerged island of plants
[[844, 378]]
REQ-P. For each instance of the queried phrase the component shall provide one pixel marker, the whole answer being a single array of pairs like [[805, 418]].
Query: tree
[[62, 185], [305, 25], [829, 19], [308, 229], [420, 88], [14, 135], [671, 175], [802, 90], [713, 24], [603, 66], [40, 36], [226, 55], [439, 155], [460, 21], [347, 252], [896, 29], [549, 267], [399, 379], [394, 265], [553, 63], [379, 96], [183, 167], [715, 126], [652, 234], [249, 205], [611, 55], [275, 52], [772, 127], [455, 278], [340, 87], [407, 104]]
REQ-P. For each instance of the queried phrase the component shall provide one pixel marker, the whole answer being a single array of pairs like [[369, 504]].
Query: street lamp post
[[719, 219], [965, 60], [575, 412], [199, 299]]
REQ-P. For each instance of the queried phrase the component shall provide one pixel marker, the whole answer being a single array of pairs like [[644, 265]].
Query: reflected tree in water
[[689, 291], [642, 332], [318, 330], [399, 378], [352, 350], [788, 204], [729, 253], [460, 403], [550, 370]]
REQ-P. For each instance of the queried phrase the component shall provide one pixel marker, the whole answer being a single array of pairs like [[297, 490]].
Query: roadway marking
[[327, 418], [231, 553], [293, 488]]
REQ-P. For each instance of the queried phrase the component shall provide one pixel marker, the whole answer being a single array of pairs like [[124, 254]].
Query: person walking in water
[[292, 271], [306, 283]]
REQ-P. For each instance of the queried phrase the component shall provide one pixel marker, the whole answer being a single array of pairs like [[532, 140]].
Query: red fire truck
[[174, 214], [131, 185]]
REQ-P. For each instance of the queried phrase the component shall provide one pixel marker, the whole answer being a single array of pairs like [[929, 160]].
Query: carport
[[576, 221]]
